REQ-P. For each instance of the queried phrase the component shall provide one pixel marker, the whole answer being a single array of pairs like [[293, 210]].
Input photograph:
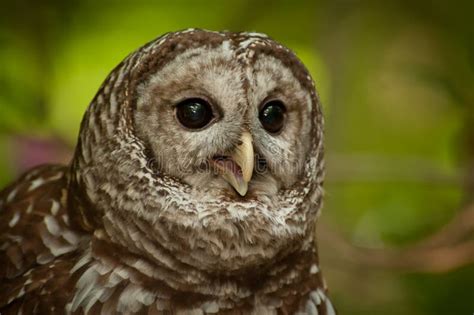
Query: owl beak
[[243, 156]]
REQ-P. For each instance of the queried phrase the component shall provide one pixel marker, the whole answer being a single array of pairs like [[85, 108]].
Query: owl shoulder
[[35, 236]]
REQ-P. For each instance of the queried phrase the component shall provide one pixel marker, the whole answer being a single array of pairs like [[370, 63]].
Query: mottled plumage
[[147, 218]]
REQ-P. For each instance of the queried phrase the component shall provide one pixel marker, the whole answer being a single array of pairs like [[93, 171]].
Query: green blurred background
[[397, 82]]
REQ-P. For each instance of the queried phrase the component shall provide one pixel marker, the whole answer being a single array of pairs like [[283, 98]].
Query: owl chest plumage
[[51, 267]]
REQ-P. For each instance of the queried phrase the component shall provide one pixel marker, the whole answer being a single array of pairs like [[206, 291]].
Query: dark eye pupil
[[194, 113], [272, 116]]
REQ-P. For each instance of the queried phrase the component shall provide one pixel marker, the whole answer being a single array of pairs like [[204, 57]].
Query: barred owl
[[194, 189]]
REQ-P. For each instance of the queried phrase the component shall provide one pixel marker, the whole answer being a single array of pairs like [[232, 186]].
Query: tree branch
[[450, 248]]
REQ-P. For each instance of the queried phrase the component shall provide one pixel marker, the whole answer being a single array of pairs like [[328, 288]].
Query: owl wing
[[36, 242]]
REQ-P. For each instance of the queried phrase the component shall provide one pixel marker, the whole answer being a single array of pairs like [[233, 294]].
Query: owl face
[[227, 128], [211, 144]]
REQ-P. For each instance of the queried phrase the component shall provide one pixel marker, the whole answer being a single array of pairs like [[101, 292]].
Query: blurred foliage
[[397, 83]]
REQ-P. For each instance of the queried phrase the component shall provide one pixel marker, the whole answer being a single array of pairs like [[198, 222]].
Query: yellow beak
[[243, 156]]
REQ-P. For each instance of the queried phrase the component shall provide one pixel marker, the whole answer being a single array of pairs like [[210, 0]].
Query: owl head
[[211, 143]]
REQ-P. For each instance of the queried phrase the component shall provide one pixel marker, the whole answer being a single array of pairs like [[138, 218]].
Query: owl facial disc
[[237, 168]]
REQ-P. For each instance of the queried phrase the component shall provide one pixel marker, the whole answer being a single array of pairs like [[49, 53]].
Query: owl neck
[[129, 245], [288, 279]]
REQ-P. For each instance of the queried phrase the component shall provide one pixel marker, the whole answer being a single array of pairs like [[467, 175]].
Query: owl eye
[[272, 116], [194, 113]]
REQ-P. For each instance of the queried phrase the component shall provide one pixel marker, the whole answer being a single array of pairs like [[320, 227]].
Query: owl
[[194, 188]]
